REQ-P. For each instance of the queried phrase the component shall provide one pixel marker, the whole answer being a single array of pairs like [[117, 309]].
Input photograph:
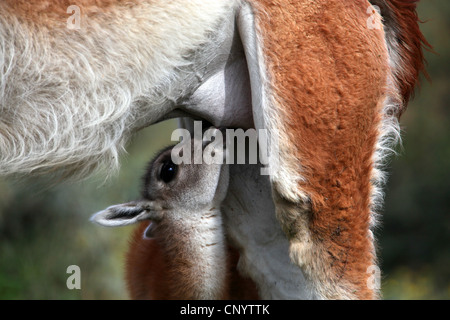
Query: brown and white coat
[[328, 88]]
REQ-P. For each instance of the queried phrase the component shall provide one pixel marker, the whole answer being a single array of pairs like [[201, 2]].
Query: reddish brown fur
[[411, 42], [330, 78], [54, 12], [150, 274]]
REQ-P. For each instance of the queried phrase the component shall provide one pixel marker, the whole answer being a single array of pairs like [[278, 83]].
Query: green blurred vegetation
[[43, 230], [414, 238]]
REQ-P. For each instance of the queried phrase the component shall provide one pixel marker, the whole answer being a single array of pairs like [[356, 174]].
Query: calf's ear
[[127, 213]]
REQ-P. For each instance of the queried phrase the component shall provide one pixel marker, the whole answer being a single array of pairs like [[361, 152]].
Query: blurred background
[[43, 229]]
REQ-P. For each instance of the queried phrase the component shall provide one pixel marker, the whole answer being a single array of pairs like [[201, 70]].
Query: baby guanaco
[[180, 250]]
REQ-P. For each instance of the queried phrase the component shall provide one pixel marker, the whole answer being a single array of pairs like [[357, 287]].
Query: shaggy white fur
[[70, 99]]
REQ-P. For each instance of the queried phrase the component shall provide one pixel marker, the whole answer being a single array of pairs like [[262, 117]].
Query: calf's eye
[[168, 171]]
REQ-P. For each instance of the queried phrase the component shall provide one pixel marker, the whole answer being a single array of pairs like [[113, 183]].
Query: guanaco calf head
[[181, 191], [182, 201]]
